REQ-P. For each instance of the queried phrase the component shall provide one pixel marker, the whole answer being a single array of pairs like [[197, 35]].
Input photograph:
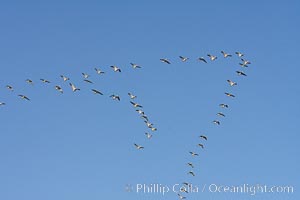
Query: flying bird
[[164, 60], [183, 59], [88, 81], [229, 94], [226, 54], [99, 71], [136, 105], [64, 78], [148, 135], [29, 81], [44, 80], [145, 117], [138, 146], [194, 154], [203, 136], [24, 97], [231, 83], [116, 69], [115, 97], [96, 91], [149, 125], [140, 112], [2, 104], [10, 88], [191, 165], [239, 54], [202, 59], [134, 66], [216, 122], [153, 129], [85, 76], [220, 114], [211, 57], [181, 197], [201, 145], [132, 96], [222, 105], [74, 88], [191, 172], [241, 73], [58, 88]]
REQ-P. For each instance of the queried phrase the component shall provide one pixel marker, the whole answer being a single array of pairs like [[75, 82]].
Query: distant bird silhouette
[[229, 94], [44, 80], [29, 81], [96, 91], [132, 96], [2, 103], [191, 165], [240, 73], [115, 97], [138, 146], [239, 54], [216, 122], [181, 197], [201, 145], [203, 136], [88, 81], [224, 105], [136, 105], [10, 88], [231, 83], [116, 69], [148, 135], [58, 88], [202, 59], [135, 66], [183, 59], [24, 97], [140, 112], [64, 78], [226, 54], [194, 154], [99, 71], [211, 57], [85, 76], [74, 88], [191, 172], [220, 114], [164, 60]]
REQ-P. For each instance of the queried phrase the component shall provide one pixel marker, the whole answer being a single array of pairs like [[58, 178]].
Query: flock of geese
[[139, 108]]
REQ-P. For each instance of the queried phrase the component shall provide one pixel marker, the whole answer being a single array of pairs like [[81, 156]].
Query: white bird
[[231, 83], [44, 80], [220, 114], [202, 59], [229, 94], [136, 105], [194, 154], [148, 135], [2, 104], [96, 91], [132, 96], [216, 122], [99, 71], [115, 97], [181, 197], [226, 54], [240, 73], [140, 112], [164, 60], [86, 76], [224, 105], [183, 59], [211, 57], [116, 69], [153, 129], [134, 66], [74, 88], [149, 125], [64, 78], [239, 54], [24, 97], [138, 146], [58, 88], [10, 88]]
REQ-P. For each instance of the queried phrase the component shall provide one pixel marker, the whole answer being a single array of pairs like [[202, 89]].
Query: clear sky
[[80, 145]]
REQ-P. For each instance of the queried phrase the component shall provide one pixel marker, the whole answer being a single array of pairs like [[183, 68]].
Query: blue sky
[[80, 146]]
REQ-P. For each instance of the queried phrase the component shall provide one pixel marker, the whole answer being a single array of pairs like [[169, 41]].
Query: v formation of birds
[[139, 108]]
